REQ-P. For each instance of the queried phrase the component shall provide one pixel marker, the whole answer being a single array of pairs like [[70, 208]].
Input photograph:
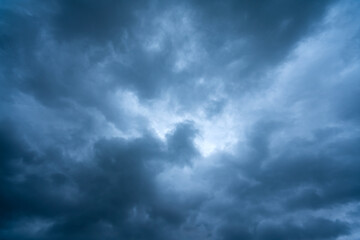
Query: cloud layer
[[179, 120]]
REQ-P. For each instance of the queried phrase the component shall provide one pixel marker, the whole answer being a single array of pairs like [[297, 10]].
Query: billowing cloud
[[179, 120]]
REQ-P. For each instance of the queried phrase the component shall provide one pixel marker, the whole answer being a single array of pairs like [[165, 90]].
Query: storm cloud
[[178, 120]]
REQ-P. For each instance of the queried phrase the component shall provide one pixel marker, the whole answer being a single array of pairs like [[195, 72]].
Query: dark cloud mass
[[172, 120]]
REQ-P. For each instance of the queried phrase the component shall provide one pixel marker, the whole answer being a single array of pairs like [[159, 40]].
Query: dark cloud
[[180, 144], [254, 35], [81, 31], [168, 120], [111, 195], [94, 20], [315, 175], [312, 229]]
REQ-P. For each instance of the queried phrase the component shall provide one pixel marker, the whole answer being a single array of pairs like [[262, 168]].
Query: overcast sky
[[179, 120]]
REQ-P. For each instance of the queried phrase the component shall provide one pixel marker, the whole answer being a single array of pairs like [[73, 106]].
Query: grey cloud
[[312, 229], [73, 25], [94, 20], [112, 195], [180, 143], [273, 195], [266, 32], [107, 106]]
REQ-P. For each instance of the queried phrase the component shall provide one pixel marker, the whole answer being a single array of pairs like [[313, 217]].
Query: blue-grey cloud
[[179, 120]]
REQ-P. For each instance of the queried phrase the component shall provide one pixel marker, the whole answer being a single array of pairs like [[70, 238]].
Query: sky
[[175, 120]]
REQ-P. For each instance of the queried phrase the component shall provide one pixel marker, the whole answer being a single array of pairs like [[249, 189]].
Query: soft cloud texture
[[179, 120]]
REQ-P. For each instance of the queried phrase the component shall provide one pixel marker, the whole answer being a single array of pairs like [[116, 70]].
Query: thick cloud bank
[[173, 120]]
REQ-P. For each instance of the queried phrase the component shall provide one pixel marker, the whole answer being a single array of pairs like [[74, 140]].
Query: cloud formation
[[179, 120]]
